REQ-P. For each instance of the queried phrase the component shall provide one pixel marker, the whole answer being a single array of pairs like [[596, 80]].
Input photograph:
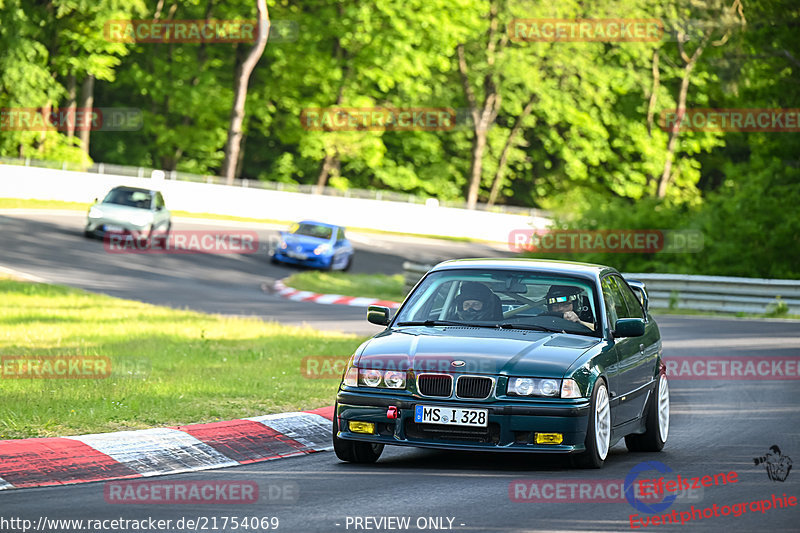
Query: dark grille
[[489, 435], [435, 384], [473, 387]]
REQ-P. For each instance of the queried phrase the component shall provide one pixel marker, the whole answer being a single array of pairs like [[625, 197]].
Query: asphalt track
[[51, 246], [717, 425]]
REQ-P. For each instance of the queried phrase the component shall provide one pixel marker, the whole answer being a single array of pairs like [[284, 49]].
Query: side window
[[159, 201], [615, 304], [631, 301], [341, 234]]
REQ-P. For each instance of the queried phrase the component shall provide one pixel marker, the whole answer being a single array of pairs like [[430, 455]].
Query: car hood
[[122, 212], [475, 351], [303, 241]]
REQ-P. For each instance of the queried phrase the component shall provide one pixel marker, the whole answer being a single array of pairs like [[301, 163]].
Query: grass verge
[[168, 367], [378, 286]]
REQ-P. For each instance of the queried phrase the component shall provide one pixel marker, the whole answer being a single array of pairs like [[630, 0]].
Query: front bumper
[[512, 424], [98, 227], [314, 261]]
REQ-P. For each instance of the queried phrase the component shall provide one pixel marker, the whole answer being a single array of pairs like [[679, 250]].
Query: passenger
[[563, 301], [476, 301]]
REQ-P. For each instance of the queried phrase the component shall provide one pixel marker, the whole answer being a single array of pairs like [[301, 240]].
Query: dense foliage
[[570, 126]]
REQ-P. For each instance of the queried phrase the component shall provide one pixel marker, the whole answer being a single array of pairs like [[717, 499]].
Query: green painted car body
[[482, 360]]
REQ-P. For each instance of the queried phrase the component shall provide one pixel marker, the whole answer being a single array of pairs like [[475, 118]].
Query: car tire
[[657, 422], [348, 264], [352, 451], [598, 431], [163, 237], [88, 234]]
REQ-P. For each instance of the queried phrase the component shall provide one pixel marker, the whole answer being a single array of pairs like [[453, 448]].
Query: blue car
[[316, 245]]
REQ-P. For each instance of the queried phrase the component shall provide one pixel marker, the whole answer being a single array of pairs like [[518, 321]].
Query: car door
[[635, 362], [642, 366], [617, 384], [627, 351]]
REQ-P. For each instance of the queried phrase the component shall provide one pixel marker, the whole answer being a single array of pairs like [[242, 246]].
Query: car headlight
[[549, 387], [142, 219], [534, 387], [95, 212], [322, 248], [394, 379], [284, 245], [522, 386], [371, 377], [375, 378]]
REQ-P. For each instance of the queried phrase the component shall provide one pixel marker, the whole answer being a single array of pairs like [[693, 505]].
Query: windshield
[[129, 197], [503, 299], [313, 230]]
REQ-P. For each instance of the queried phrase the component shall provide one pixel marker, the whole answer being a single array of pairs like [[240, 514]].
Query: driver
[[474, 302], [561, 302]]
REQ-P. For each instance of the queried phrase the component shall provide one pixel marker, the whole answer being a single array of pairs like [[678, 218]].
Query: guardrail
[[697, 293], [174, 175], [717, 293], [249, 202]]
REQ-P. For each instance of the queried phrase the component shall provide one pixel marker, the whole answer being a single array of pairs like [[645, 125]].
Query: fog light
[[361, 427], [548, 438]]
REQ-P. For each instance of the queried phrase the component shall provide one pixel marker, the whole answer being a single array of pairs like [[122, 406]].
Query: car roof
[[134, 189], [572, 268]]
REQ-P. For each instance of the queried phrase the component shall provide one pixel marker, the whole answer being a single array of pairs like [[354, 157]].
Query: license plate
[[451, 416], [296, 255], [114, 229]]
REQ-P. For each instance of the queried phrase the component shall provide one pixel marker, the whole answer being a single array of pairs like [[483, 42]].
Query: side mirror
[[95, 200], [629, 327], [378, 314], [640, 291]]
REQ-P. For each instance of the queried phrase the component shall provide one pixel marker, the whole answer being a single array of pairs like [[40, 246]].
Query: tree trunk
[[72, 104], [86, 103], [483, 116], [501, 166], [666, 176], [332, 162], [330, 165], [242, 79]]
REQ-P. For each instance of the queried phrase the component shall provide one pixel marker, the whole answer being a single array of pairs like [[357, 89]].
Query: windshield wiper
[[441, 323], [508, 325]]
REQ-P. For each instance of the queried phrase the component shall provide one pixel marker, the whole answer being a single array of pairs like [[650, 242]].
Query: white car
[[139, 213]]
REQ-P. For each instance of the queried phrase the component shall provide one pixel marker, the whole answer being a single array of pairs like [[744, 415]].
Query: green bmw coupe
[[509, 355]]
